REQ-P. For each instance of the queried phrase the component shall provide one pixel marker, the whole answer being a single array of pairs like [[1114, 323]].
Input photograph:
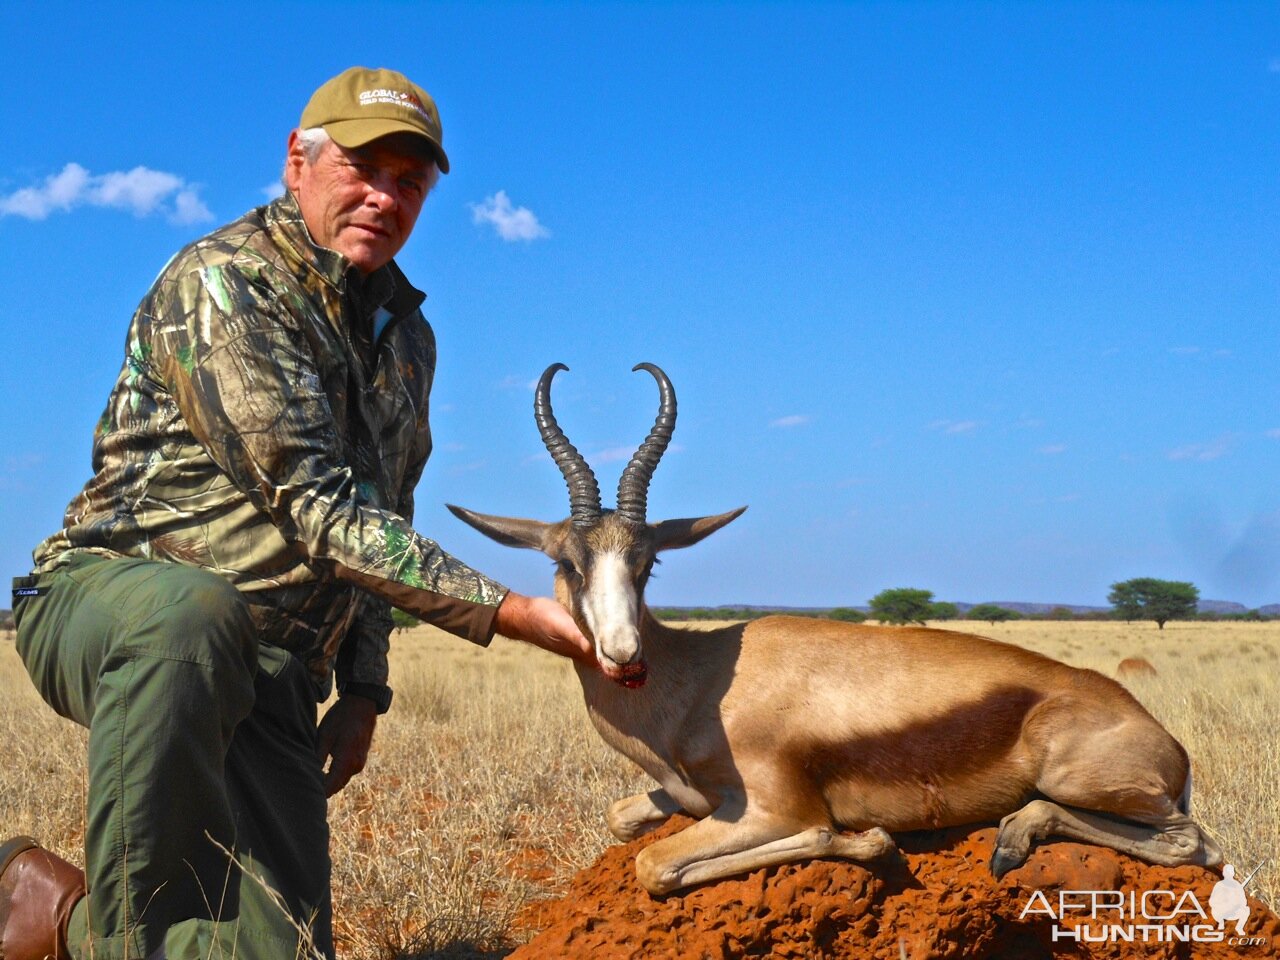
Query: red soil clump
[[941, 902]]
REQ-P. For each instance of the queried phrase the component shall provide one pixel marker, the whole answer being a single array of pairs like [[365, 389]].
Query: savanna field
[[487, 787]]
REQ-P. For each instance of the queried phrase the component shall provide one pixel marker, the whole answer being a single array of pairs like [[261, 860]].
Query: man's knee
[[199, 617]]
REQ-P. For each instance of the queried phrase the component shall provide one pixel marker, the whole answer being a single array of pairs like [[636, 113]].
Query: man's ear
[[294, 160]]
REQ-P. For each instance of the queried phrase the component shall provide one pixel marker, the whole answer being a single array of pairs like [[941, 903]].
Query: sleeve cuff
[[380, 695]]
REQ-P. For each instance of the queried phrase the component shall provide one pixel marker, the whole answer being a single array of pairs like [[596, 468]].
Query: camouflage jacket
[[258, 429]]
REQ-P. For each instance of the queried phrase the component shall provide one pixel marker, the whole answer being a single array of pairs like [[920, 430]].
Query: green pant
[[200, 737]]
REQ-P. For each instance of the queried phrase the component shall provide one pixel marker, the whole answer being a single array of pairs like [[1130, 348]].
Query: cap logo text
[[409, 101]]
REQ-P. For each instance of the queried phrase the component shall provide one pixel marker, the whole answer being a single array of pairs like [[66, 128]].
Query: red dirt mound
[[941, 903]]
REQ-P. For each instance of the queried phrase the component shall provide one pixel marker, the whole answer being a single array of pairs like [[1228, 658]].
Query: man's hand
[[343, 739], [544, 623]]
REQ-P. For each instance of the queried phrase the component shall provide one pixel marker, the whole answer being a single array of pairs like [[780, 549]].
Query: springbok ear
[[508, 531], [670, 534]]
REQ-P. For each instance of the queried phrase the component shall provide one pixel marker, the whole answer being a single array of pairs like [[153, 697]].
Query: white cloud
[[1184, 351], [1274, 434], [1273, 65], [60, 192], [1202, 452], [272, 190], [512, 382], [615, 454], [1053, 449], [141, 191], [954, 426], [794, 420], [511, 223], [189, 208]]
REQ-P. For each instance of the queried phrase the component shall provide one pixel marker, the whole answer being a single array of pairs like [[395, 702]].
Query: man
[[245, 532]]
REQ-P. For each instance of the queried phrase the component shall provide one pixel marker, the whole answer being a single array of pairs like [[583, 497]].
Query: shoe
[[37, 892]]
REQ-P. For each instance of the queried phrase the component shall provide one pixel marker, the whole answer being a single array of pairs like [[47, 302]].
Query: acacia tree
[[402, 620], [992, 613], [902, 605], [1146, 598], [848, 614], [943, 610]]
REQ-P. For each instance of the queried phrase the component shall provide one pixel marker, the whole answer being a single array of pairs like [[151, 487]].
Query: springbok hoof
[[1002, 862]]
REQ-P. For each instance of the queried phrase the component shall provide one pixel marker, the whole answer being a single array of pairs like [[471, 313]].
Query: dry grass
[[487, 786], [487, 783]]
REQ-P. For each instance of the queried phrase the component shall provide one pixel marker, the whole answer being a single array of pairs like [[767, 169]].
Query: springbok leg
[[1170, 840], [635, 816], [714, 848]]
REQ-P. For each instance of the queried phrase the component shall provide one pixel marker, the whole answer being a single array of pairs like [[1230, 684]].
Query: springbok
[[783, 731]]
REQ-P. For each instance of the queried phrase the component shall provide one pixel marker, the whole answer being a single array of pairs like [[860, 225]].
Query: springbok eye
[[567, 568]]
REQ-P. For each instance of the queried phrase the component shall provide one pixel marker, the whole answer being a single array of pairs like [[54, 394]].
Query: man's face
[[361, 202]]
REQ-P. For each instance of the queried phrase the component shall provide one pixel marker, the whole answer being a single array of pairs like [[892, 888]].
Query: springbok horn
[[633, 488], [584, 491]]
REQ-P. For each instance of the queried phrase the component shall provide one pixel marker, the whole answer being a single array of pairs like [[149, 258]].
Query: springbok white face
[[603, 557]]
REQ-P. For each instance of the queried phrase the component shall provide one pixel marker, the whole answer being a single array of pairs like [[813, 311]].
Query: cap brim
[[358, 133]]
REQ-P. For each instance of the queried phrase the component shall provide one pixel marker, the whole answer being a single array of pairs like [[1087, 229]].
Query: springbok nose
[[624, 663], [622, 650]]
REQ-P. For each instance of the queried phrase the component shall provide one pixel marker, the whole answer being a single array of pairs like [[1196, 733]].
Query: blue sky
[[979, 298]]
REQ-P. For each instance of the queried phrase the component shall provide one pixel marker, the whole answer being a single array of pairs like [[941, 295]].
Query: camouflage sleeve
[[245, 380], [363, 657], [367, 643]]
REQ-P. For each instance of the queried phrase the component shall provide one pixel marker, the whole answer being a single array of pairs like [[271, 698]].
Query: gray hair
[[313, 140]]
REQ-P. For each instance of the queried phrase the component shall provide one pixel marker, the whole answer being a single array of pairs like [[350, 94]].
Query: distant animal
[[1135, 667], [783, 732]]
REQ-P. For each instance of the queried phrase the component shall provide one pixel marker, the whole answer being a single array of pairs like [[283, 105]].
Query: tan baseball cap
[[359, 105]]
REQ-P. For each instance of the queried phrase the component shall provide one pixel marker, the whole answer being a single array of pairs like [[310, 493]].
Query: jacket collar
[[386, 287]]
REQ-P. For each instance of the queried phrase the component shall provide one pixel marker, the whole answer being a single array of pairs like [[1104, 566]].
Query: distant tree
[[1146, 598], [402, 620], [992, 613], [902, 605], [943, 610], [1125, 602], [850, 614], [1061, 613]]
